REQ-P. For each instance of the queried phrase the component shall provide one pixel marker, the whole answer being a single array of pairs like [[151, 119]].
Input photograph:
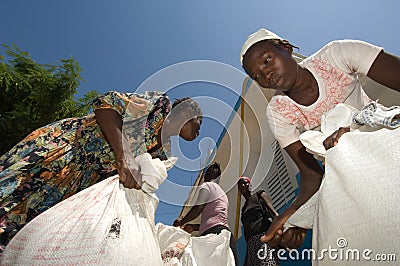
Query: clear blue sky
[[120, 44]]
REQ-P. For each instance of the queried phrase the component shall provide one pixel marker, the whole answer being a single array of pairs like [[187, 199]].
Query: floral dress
[[65, 157]]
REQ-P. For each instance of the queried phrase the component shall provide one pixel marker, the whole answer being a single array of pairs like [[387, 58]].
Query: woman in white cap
[[306, 90]]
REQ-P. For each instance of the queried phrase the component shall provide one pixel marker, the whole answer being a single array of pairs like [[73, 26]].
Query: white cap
[[261, 34]]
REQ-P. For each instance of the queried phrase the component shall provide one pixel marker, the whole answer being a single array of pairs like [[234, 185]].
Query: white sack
[[340, 116], [154, 171], [358, 198], [211, 249], [173, 241], [100, 225], [105, 224], [355, 209]]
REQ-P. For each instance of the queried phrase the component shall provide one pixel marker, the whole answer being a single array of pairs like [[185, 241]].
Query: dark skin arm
[[192, 214], [292, 238], [385, 70], [195, 210], [333, 139], [110, 123], [311, 176], [268, 203], [191, 227]]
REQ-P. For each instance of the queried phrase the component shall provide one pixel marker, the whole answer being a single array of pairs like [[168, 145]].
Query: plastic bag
[[105, 224]]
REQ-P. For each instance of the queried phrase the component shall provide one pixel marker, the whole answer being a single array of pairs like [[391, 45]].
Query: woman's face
[[191, 129], [243, 186], [271, 66]]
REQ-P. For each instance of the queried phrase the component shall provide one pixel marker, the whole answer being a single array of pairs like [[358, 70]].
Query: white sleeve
[[285, 133], [353, 56]]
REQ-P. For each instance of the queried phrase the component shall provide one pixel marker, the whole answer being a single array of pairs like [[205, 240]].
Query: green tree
[[33, 95]]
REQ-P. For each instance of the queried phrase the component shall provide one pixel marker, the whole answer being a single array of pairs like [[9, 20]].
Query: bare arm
[[311, 176], [333, 139], [110, 123], [192, 214], [268, 203], [310, 171], [195, 210], [386, 70], [191, 227]]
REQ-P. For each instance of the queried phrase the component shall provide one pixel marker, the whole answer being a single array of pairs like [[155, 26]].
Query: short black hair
[[213, 171]]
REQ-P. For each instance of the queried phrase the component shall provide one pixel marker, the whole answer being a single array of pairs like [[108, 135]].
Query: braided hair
[[277, 43]]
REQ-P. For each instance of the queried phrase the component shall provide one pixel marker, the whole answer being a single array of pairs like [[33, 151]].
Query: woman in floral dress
[[65, 157]]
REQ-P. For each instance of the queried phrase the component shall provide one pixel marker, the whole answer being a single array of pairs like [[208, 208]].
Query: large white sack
[[354, 215], [357, 209], [173, 241], [105, 224], [211, 249]]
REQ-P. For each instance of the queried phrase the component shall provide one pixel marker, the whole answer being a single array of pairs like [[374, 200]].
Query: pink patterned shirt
[[336, 67]]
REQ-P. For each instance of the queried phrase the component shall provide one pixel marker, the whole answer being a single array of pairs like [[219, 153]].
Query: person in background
[[65, 157], [305, 91], [212, 204], [256, 217]]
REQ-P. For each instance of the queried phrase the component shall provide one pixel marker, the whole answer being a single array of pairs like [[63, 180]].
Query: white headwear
[[261, 34]]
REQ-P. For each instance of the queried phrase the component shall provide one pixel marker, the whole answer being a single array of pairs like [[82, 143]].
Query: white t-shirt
[[336, 67]]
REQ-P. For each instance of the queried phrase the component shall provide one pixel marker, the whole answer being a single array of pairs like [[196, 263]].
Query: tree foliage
[[33, 95]]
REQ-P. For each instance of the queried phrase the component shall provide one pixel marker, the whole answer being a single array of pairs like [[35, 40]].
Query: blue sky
[[125, 45]]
